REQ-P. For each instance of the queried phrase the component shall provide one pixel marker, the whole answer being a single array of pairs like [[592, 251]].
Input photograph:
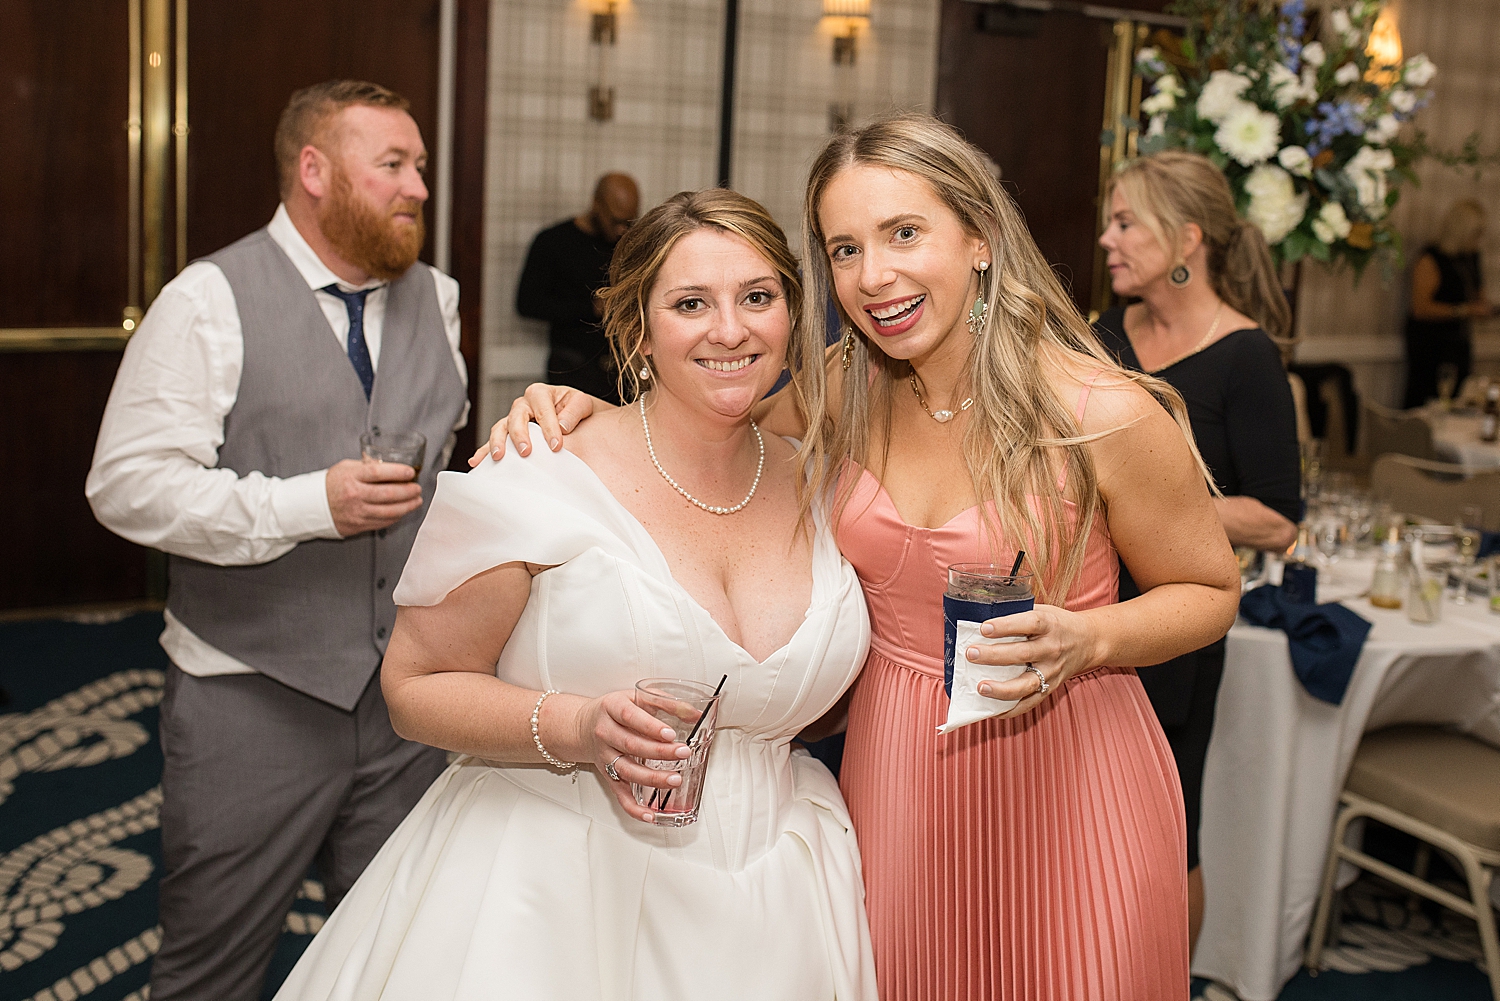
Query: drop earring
[[980, 308], [848, 347], [645, 372], [1180, 276]]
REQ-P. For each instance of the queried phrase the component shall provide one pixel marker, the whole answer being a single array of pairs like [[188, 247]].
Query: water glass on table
[[1467, 535], [691, 709], [1432, 556], [407, 447]]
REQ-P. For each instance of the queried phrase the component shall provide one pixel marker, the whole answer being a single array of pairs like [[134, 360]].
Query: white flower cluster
[[1367, 170], [1275, 206], [1331, 223]]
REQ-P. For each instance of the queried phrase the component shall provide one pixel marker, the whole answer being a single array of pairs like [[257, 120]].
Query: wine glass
[[1467, 535], [1447, 382]]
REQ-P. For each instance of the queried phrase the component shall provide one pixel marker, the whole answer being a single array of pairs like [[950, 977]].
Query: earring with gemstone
[[848, 347], [1180, 276], [980, 308]]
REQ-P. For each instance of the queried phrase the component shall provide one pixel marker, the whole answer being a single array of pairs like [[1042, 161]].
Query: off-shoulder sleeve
[[546, 508]]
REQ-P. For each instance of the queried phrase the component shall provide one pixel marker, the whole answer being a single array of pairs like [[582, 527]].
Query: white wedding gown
[[515, 881]]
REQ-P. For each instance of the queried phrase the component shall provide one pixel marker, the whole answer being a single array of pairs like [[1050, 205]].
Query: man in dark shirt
[[565, 266]]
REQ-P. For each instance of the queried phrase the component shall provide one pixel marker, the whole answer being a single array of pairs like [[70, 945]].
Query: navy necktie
[[359, 351]]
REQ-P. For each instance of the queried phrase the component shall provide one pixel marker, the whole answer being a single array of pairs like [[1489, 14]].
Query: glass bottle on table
[[1385, 586]]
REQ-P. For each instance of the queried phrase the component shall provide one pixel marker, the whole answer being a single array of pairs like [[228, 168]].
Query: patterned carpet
[[80, 852]]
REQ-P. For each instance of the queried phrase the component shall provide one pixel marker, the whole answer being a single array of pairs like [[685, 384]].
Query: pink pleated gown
[[1023, 859]]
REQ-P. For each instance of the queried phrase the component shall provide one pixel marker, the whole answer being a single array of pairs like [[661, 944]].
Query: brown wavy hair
[[1170, 189], [1019, 435], [642, 251]]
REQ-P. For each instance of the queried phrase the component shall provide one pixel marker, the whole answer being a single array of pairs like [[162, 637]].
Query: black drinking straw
[[1016, 567], [691, 734]]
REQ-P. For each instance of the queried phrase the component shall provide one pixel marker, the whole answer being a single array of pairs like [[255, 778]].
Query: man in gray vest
[[231, 441]]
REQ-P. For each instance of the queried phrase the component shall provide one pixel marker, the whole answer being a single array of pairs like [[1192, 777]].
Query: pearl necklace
[[941, 416], [710, 508]]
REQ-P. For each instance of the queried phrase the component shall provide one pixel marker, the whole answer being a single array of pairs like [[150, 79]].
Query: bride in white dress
[[585, 571]]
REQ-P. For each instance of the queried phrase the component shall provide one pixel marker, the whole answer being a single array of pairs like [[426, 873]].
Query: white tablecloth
[[1279, 757], [1456, 437]]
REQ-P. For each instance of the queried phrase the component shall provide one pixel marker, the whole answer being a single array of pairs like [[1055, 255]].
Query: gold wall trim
[[133, 141], [180, 130], [17, 339], [157, 141], [1122, 96]]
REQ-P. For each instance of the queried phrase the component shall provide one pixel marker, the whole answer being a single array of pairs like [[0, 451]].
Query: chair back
[[1437, 490], [1299, 403], [1388, 431]]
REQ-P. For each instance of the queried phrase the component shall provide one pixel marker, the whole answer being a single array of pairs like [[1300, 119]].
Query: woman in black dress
[[1447, 295], [1208, 307]]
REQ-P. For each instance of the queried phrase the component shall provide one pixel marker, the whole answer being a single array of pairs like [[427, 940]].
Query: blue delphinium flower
[[1290, 29], [1332, 121]]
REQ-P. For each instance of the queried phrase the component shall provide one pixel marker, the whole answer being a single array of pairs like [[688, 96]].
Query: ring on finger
[[1045, 688], [609, 769]]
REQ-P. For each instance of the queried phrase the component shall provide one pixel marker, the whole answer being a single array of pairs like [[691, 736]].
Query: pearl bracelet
[[536, 736]]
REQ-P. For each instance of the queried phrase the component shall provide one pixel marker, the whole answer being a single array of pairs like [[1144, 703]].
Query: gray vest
[[317, 619]]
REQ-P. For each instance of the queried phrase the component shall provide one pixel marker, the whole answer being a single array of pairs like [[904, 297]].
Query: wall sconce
[[602, 33], [849, 16], [1384, 50]]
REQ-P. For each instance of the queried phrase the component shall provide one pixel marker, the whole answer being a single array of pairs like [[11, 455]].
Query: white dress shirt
[[153, 479]]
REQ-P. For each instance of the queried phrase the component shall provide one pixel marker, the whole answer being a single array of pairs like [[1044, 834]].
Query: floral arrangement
[[1301, 117]]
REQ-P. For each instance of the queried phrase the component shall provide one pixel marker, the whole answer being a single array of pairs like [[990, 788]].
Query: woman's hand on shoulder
[[611, 732], [558, 410]]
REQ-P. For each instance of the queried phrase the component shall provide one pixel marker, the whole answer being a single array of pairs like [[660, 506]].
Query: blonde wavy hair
[[1018, 431], [1462, 228], [644, 248], [1170, 189]]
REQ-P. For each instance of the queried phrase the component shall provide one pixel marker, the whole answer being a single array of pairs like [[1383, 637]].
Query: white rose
[[1338, 20], [1169, 84], [1275, 206], [1403, 100], [1157, 126], [1367, 170], [1221, 95], [1331, 223], [1419, 71], [1313, 54], [1147, 54], [1158, 103], [1248, 134], [1285, 87], [1346, 74], [1296, 160], [1383, 131]]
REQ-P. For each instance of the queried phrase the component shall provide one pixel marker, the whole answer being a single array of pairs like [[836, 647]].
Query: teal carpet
[[80, 853]]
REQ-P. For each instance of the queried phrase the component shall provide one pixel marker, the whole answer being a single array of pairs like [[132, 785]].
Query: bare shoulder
[[1114, 400]]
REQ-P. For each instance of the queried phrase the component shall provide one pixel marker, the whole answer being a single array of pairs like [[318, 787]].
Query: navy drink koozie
[[957, 610], [1299, 583]]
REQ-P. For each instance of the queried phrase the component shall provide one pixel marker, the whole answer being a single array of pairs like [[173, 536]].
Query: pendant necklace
[[941, 416], [710, 508]]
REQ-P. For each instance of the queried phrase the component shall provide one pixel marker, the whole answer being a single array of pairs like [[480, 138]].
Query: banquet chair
[[1437, 490], [1440, 787], [1299, 404], [1389, 431]]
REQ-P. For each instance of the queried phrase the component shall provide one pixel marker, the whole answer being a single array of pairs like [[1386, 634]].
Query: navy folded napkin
[[1489, 544], [1324, 640]]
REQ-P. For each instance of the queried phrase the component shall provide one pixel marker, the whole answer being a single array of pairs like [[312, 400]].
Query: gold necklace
[[1196, 347], [941, 416]]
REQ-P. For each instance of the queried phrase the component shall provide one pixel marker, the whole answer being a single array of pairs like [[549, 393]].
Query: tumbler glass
[[691, 709]]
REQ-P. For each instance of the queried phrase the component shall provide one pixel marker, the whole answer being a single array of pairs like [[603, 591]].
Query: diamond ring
[[609, 769]]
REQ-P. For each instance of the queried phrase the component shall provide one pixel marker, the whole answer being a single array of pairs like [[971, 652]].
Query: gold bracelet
[[536, 736]]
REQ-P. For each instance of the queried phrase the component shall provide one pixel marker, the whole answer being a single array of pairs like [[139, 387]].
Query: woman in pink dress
[[969, 413]]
